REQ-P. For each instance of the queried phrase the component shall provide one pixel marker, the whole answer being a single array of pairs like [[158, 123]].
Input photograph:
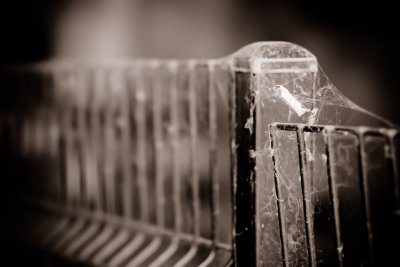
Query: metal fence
[[194, 163]]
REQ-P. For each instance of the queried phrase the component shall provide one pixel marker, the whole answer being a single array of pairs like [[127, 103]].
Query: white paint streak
[[292, 101]]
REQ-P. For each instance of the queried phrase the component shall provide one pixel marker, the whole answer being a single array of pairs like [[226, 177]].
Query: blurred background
[[356, 44]]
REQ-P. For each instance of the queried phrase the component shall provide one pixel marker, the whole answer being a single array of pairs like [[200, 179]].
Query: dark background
[[357, 44]]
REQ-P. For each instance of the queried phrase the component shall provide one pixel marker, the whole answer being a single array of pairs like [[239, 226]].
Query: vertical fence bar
[[159, 146], [244, 170], [125, 144], [306, 191], [365, 191], [193, 150], [82, 99], [72, 158], [396, 175], [175, 129], [214, 181], [213, 156], [139, 113], [279, 199], [99, 118], [333, 195], [233, 157], [110, 104]]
